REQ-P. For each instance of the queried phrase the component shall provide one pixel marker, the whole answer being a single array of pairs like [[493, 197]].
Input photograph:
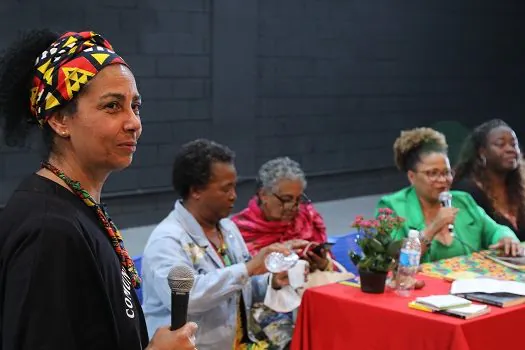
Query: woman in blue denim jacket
[[197, 233]]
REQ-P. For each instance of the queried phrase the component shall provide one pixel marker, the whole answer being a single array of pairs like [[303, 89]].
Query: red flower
[[386, 211], [358, 220], [385, 222]]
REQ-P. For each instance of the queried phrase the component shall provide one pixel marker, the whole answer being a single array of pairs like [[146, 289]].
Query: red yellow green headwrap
[[65, 67]]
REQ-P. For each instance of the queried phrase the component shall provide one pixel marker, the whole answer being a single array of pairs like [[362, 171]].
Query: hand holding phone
[[315, 248], [315, 254], [318, 248]]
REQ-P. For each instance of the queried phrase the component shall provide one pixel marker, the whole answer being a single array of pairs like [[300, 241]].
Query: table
[[475, 262], [342, 317]]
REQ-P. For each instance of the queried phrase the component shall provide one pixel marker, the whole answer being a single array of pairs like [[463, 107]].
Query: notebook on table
[[464, 312], [487, 285], [467, 312], [443, 302], [497, 299], [490, 291]]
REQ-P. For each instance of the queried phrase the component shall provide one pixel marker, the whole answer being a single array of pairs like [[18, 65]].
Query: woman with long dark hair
[[490, 168]]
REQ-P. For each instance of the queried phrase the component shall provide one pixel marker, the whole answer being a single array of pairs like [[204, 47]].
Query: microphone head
[[181, 278], [445, 196]]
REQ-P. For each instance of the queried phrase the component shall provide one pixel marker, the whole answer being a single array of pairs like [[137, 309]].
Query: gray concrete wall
[[330, 83]]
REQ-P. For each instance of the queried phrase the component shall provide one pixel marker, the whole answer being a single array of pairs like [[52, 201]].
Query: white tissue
[[285, 299]]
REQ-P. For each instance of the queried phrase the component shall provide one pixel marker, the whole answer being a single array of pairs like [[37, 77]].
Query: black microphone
[[445, 198], [180, 280]]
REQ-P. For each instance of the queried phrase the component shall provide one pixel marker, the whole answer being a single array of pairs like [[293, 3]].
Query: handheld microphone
[[180, 280], [445, 198]]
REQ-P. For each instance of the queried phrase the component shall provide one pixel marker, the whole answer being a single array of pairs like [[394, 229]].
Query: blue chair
[[341, 248], [138, 265]]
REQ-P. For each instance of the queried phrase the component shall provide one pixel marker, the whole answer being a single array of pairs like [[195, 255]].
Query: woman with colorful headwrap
[[66, 279]]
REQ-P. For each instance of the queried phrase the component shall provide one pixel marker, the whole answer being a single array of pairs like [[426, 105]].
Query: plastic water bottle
[[408, 264], [277, 262]]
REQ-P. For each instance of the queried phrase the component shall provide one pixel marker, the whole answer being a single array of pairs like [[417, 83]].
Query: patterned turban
[[65, 67]]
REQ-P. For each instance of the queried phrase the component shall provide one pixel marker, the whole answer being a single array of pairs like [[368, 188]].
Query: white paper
[[487, 285], [443, 301]]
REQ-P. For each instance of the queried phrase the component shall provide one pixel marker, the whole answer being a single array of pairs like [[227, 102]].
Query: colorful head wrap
[[65, 67]]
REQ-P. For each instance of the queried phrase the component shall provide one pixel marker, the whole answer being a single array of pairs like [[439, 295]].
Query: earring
[[483, 160]]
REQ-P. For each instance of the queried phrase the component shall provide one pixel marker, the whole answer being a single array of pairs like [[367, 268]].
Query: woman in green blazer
[[422, 154]]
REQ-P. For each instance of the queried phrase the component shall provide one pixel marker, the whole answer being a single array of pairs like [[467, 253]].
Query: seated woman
[[280, 212], [422, 154], [197, 234], [490, 169]]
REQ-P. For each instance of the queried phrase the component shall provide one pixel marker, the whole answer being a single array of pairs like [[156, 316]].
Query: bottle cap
[[413, 234]]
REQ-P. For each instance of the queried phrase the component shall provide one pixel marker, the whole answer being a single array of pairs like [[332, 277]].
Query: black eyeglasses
[[292, 203]]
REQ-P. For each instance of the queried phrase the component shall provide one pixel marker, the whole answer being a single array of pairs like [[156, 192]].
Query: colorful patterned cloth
[[112, 230], [476, 263], [240, 344], [65, 67], [276, 326]]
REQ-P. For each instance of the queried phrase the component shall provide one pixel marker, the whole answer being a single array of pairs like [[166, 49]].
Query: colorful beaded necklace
[[113, 232]]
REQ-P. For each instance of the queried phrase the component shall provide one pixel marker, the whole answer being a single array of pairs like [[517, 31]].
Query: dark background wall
[[328, 82]]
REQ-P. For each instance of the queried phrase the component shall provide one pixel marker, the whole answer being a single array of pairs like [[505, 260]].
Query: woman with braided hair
[[422, 154], [66, 279], [490, 168]]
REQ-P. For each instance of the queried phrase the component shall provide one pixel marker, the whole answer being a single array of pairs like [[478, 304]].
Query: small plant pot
[[372, 282]]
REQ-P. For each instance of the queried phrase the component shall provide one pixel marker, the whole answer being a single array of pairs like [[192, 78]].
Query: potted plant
[[379, 250]]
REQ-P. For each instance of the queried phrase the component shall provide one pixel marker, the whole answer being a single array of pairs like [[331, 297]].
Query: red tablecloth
[[342, 317]]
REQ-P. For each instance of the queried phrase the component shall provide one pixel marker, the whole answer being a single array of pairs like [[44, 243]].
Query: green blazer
[[474, 229]]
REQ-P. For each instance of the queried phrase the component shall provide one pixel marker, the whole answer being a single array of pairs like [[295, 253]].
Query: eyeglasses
[[435, 175], [292, 203]]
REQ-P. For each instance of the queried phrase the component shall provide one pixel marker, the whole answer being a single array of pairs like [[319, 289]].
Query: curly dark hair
[[412, 144], [469, 165], [17, 66], [192, 166]]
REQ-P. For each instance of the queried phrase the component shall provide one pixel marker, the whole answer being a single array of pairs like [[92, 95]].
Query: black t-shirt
[[484, 202], [61, 283]]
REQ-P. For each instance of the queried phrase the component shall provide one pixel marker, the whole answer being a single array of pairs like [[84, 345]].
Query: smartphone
[[325, 246]]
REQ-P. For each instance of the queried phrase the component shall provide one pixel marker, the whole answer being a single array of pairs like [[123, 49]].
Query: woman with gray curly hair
[[281, 212]]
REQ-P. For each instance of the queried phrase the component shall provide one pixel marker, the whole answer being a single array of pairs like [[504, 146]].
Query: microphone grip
[[448, 204], [179, 309]]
